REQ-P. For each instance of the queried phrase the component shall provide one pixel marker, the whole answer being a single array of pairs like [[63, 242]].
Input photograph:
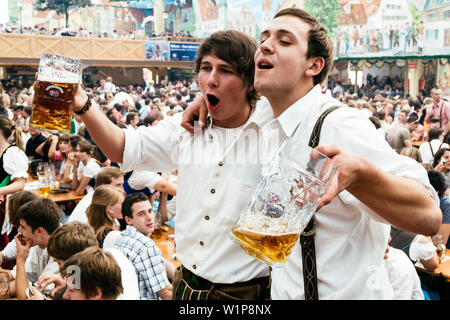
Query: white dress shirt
[[403, 276], [350, 238], [129, 277], [425, 150], [79, 213], [215, 181]]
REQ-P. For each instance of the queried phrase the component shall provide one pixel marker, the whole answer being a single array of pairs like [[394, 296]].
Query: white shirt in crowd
[[425, 149], [403, 276], [350, 238], [37, 263], [140, 179], [79, 212], [129, 278], [89, 170]]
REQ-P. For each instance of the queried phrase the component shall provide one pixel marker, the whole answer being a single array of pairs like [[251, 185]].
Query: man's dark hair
[[149, 120], [236, 48], [129, 201], [438, 156], [319, 43], [74, 140], [437, 181], [434, 133], [118, 107], [42, 213]]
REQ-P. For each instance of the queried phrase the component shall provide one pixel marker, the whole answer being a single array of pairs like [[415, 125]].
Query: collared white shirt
[[425, 150], [350, 238], [215, 181], [38, 262]]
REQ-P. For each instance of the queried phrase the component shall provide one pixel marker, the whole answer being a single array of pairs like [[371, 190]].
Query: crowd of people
[[127, 139], [84, 33]]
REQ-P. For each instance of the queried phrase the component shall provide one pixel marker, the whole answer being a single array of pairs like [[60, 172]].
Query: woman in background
[[105, 210]]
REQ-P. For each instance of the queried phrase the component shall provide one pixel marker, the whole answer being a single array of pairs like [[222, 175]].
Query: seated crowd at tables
[[105, 233]]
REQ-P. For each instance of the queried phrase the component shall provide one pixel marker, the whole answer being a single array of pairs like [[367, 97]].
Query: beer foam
[[260, 225], [67, 78]]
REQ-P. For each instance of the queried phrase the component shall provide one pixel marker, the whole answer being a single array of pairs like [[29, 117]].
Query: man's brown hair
[[236, 48], [97, 269], [42, 213], [106, 175], [319, 43], [71, 238], [16, 200]]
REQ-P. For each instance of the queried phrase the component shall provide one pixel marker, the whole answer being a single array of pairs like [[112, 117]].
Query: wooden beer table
[[442, 270], [59, 197], [166, 245]]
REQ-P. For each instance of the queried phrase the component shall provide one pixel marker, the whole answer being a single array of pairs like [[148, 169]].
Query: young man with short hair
[[218, 158], [74, 237], [38, 220], [136, 245], [366, 196], [92, 274], [294, 56]]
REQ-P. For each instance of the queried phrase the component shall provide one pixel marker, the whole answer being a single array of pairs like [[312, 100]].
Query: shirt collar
[[259, 114], [132, 230], [300, 110]]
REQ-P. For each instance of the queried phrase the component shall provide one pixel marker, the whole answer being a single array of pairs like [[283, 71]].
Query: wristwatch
[[85, 108]]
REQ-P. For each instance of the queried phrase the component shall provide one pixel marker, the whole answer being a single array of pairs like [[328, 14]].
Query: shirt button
[[220, 163], [213, 190], [202, 243], [194, 266], [206, 217]]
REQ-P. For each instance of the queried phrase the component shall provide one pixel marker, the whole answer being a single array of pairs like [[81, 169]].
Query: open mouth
[[212, 99], [264, 64]]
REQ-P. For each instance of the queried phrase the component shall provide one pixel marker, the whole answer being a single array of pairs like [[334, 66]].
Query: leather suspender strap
[[307, 237]]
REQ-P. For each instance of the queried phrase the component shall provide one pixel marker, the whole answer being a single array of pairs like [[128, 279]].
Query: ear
[[40, 230], [128, 220], [315, 66], [98, 294]]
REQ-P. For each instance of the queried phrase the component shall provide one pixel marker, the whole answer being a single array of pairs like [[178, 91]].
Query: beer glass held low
[[283, 202], [57, 82]]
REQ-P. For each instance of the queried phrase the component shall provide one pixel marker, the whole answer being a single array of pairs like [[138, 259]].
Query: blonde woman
[[13, 166], [104, 210]]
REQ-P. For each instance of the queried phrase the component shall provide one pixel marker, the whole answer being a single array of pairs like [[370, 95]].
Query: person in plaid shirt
[[136, 245]]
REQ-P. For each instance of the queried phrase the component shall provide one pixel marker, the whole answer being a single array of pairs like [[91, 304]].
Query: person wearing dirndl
[[13, 171]]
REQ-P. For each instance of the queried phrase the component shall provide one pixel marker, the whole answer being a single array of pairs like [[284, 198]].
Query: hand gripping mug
[[54, 91], [283, 202]]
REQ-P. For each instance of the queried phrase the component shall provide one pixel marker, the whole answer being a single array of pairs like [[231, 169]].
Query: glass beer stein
[[54, 91], [283, 202]]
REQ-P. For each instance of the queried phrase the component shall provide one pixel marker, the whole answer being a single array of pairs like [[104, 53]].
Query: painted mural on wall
[[359, 28], [248, 16], [377, 28]]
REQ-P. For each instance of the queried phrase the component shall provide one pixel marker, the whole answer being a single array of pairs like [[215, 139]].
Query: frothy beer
[[266, 239], [53, 99]]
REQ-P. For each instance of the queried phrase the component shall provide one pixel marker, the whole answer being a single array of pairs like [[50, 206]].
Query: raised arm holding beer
[[206, 211]]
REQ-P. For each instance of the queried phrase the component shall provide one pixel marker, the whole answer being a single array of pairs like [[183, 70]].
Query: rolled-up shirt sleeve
[[15, 163], [367, 143], [153, 148], [143, 179]]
